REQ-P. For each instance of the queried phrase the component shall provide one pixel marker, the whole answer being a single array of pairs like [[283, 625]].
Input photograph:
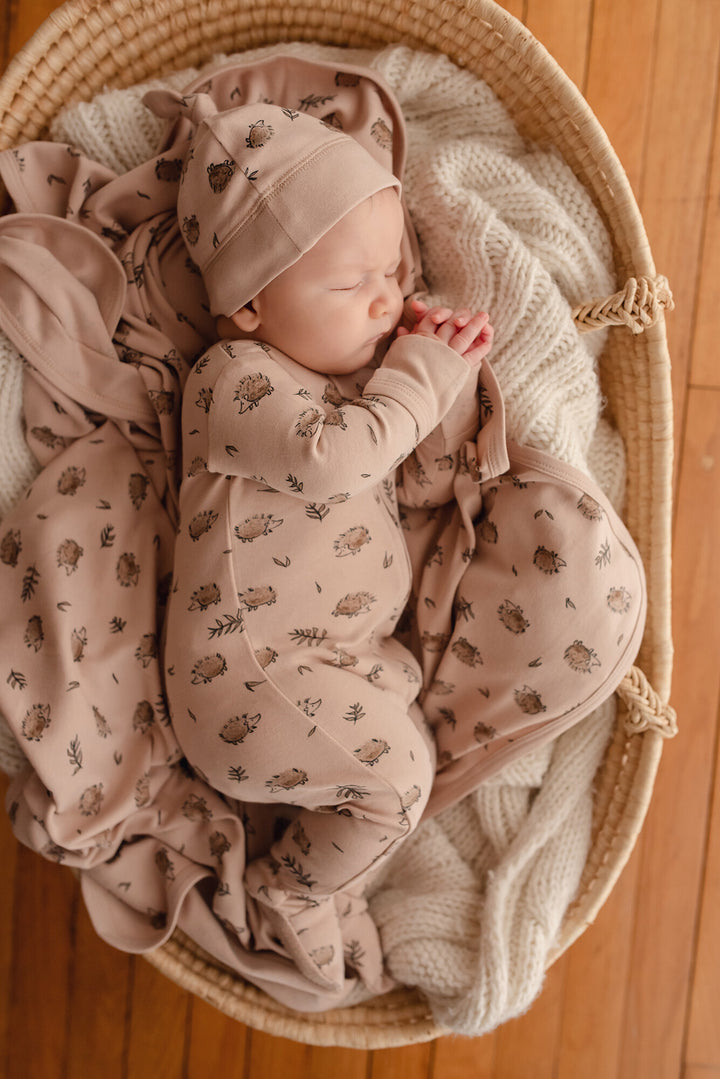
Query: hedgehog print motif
[[287, 780], [201, 523], [10, 547], [147, 650], [529, 701], [91, 800], [251, 390], [350, 542], [190, 229], [265, 656], [260, 133], [143, 717], [261, 524], [466, 653], [195, 808], [203, 597], [589, 508], [220, 175], [262, 596], [127, 570], [580, 657], [137, 488], [35, 722], [371, 751], [68, 555], [382, 134], [169, 170], [354, 603], [309, 422], [238, 728], [548, 561], [219, 845], [512, 617], [71, 480], [619, 600], [34, 635], [207, 668]]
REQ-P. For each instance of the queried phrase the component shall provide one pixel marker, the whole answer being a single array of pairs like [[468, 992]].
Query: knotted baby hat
[[260, 185]]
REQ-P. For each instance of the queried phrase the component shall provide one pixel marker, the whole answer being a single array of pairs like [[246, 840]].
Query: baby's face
[[329, 310]]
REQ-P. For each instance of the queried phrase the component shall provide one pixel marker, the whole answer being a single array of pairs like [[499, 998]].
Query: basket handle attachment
[[645, 710], [639, 305]]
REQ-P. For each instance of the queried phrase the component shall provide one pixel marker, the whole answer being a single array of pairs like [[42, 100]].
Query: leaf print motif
[[78, 644], [107, 536], [309, 636], [74, 754], [227, 623]]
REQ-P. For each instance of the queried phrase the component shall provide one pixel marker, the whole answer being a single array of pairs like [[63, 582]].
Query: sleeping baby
[[286, 684]]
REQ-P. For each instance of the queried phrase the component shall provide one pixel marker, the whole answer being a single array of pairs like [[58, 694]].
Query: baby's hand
[[469, 335]]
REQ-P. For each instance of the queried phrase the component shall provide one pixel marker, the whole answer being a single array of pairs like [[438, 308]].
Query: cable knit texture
[[470, 906]]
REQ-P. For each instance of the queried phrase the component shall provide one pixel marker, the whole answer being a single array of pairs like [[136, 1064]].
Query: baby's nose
[[382, 302]]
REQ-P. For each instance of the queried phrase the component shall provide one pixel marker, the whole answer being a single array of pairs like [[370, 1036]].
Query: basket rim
[[75, 46]]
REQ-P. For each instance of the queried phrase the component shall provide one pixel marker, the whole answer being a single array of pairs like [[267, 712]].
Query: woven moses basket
[[87, 45]]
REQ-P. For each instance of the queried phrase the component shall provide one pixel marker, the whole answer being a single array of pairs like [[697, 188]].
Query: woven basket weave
[[88, 45]]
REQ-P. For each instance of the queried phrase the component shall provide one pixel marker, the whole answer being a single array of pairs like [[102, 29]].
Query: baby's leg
[[355, 766]]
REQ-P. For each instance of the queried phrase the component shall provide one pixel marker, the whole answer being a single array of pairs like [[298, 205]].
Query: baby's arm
[[263, 423], [427, 477]]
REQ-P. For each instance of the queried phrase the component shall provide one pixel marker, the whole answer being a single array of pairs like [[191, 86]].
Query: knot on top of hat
[[169, 105]]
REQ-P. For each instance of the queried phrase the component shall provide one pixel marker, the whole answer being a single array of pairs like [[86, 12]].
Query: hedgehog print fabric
[[285, 682]]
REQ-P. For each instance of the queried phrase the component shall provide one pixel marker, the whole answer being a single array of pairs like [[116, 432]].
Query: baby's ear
[[247, 318]]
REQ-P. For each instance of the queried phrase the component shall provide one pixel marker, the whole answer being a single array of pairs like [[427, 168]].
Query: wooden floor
[[638, 997]]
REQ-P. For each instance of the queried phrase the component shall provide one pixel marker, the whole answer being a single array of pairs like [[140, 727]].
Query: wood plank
[[410, 1062], [462, 1058], [218, 1044], [703, 1042], [704, 369], [563, 27], [24, 19], [527, 1048], [158, 1025], [625, 32], [673, 192], [673, 842], [100, 1002], [43, 951], [595, 987], [282, 1057], [8, 860]]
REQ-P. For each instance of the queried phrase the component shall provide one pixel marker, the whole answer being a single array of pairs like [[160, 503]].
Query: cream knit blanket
[[470, 907]]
